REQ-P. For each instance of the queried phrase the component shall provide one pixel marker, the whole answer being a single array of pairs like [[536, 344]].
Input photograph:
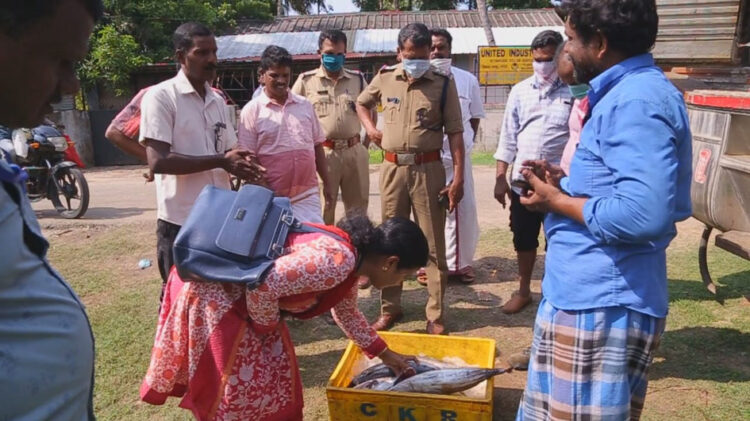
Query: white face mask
[[546, 71], [441, 65], [416, 68]]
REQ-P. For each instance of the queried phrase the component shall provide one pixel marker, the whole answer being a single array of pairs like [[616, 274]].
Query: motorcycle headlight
[[59, 142]]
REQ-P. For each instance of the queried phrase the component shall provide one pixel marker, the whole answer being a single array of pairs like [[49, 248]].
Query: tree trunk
[[396, 5], [482, 8], [279, 8]]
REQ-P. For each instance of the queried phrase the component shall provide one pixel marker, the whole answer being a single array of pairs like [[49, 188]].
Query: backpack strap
[[303, 228]]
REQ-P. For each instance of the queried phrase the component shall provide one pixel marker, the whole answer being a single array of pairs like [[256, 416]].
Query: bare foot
[[516, 303]]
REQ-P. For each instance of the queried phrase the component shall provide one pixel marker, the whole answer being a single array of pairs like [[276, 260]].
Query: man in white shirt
[[461, 226], [189, 137], [535, 126]]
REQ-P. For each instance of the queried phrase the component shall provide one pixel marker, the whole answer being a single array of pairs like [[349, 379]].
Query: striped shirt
[[284, 138], [535, 125]]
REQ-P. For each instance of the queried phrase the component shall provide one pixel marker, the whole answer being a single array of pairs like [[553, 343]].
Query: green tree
[[113, 57], [137, 32], [378, 5], [367, 5], [302, 7]]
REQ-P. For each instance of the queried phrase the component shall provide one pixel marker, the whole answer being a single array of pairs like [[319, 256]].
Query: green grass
[[477, 158], [483, 158], [701, 371]]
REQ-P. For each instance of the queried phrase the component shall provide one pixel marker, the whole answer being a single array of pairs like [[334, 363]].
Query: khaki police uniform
[[347, 159], [413, 125]]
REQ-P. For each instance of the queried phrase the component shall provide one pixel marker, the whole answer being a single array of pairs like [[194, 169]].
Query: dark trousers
[[524, 224], [166, 232]]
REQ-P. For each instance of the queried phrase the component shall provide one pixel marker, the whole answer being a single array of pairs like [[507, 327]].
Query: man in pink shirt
[[281, 128]]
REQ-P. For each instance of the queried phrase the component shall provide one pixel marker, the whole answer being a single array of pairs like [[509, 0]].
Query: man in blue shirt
[[609, 223], [46, 343]]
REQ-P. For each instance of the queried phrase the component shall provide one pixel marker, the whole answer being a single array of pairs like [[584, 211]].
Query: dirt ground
[[122, 203]]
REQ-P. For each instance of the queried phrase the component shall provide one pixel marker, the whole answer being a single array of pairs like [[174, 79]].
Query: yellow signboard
[[504, 65]]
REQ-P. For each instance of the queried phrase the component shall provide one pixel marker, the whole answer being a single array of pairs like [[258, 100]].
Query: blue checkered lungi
[[590, 364]]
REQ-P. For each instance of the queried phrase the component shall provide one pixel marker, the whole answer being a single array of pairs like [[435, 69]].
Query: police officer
[[419, 106], [333, 90]]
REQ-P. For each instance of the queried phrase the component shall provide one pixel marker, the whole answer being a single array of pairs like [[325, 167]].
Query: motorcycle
[[53, 166]]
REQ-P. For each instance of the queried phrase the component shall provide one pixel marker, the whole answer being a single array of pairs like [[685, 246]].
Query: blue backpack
[[235, 236]]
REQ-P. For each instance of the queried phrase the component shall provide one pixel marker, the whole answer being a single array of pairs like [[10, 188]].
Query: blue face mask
[[416, 68], [579, 91], [333, 62]]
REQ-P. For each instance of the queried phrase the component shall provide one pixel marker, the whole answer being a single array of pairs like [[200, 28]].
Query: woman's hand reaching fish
[[397, 362]]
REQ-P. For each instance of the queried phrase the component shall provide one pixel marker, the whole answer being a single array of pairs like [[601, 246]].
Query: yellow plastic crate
[[347, 404]]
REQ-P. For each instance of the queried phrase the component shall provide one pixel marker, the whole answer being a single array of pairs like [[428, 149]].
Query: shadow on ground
[[506, 403], [469, 307], [703, 353], [105, 213], [729, 287], [499, 269]]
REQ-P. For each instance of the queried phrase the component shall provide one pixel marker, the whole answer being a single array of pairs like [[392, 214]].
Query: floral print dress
[[226, 350]]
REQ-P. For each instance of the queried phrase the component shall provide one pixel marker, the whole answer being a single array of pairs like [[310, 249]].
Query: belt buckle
[[340, 143], [406, 159]]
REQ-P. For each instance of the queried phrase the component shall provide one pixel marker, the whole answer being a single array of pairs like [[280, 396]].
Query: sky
[[343, 6]]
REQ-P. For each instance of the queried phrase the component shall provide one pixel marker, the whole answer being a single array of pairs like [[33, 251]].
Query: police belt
[[341, 143], [417, 158]]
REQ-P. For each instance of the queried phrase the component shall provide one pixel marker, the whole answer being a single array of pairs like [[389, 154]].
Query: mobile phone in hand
[[444, 200], [521, 184]]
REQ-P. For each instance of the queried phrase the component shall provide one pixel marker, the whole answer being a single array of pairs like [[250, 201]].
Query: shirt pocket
[[589, 176], [346, 105], [391, 111], [299, 131], [558, 114], [426, 114], [322, 104]]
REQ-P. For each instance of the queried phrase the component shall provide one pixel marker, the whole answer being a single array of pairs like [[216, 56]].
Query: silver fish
[[377, 384], [446, 381], [381, 370]]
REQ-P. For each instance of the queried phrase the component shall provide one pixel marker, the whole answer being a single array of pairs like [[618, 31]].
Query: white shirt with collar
[[535, 125], [472, 106], [173, 112]]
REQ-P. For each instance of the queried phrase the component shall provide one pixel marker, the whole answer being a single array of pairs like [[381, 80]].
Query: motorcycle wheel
[[74, 193]]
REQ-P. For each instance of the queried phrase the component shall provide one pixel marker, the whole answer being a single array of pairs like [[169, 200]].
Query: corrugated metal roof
[[520, 36], [376, 41], [397, 20], [366, 41], [239, 47]]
